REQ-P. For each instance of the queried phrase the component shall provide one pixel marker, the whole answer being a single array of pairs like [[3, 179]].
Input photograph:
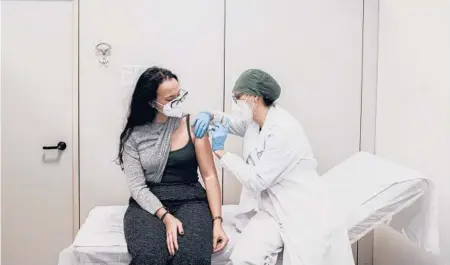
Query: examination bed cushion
[[100, 239], [370, 190], [380, 195]]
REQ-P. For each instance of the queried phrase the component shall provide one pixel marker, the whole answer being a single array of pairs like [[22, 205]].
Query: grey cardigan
[[144, 160]]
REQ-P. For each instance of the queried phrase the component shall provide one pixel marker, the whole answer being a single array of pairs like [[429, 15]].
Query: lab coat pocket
[[261, 146]]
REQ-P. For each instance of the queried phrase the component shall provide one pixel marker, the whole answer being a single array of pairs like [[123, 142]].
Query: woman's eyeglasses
[[174, 103]]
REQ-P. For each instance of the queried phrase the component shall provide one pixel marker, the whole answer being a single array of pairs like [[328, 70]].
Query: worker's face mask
[[173, 108], [241, 108]]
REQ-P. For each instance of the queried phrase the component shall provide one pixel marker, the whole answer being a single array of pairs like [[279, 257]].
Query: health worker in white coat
[[284, 209]]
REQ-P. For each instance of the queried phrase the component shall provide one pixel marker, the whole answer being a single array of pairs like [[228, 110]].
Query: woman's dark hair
[[140, 111]]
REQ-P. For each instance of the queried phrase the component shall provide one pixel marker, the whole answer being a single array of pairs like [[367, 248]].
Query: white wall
[[314, 70], [189, 42], [413, 110]]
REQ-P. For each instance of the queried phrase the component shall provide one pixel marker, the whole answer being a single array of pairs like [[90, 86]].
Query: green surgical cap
[[257, 83]]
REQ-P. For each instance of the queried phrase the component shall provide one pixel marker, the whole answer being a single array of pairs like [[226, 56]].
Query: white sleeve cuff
[[224, 160]]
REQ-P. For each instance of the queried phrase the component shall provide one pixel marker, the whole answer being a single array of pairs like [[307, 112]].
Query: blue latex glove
[[201, 124], [219, 135]]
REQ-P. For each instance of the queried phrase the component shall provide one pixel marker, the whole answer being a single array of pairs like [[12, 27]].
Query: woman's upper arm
[[136, 179], [132, 169], [204, 156]]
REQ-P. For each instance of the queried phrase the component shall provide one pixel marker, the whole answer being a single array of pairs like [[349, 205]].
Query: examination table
[[369, 191]]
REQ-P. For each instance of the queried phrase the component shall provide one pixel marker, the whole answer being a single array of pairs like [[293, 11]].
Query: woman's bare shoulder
[[184, 123]]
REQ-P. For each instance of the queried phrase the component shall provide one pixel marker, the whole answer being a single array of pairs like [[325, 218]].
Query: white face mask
[[173, 111], [173, 108], [242, 110]]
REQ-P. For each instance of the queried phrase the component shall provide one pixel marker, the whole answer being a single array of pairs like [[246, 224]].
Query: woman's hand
[[173, 227], [220, 239]]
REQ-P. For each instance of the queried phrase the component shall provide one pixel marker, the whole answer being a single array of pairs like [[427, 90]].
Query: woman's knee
[[190, 257], [146, 250], [147, 257]]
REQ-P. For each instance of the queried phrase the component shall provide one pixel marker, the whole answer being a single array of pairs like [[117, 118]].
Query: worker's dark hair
[[268, 102]]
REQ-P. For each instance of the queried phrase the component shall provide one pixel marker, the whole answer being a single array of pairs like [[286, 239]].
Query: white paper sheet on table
[[358, 179]]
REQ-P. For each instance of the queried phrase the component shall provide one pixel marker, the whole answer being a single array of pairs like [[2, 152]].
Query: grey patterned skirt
[[145, 234]]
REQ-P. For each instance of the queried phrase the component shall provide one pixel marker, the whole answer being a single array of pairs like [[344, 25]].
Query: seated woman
[[170, 219]]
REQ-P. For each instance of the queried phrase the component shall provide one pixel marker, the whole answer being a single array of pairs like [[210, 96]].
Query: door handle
[[61, 146]]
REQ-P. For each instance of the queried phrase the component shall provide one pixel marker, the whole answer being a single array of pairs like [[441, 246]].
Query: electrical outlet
[[130, 74]]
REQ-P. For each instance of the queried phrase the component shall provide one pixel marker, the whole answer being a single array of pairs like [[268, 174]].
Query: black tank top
[[182, 163]]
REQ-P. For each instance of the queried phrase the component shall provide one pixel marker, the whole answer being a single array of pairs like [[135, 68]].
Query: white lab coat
[[278, 174]]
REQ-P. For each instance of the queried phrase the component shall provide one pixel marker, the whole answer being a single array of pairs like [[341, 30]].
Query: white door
[[37, 199], [183, 36]]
